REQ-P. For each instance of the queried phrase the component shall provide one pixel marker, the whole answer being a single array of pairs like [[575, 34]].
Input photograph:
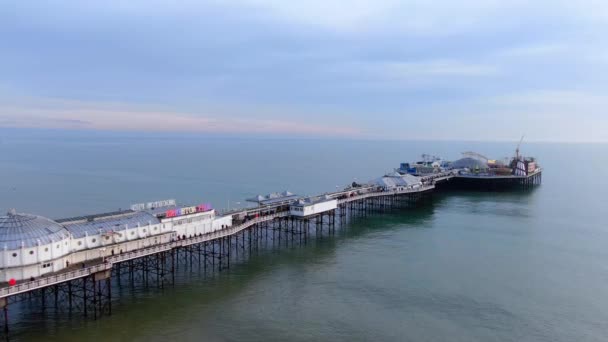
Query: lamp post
[[102, 253]]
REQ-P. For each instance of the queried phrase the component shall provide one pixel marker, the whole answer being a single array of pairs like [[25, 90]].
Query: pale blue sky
[[468, 69]]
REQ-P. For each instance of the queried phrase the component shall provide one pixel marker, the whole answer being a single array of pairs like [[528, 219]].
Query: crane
[[518, 145]]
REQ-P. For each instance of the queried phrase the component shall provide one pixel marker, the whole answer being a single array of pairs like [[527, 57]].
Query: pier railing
[[227, 231], [386, 193], [53, 280], [436, 177], [139, 253]]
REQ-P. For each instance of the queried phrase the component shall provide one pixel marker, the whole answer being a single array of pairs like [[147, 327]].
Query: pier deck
[[68, 275]]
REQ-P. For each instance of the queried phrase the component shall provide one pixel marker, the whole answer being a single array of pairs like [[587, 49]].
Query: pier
[[288, 220]]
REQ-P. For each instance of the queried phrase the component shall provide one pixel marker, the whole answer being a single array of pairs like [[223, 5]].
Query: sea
[[468, 266]]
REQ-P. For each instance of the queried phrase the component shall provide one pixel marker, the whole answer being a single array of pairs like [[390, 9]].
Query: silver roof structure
[[469, 163], [274, 198], [24, 230], [93, 217], [396, 179], [312, 200], [110, 225]]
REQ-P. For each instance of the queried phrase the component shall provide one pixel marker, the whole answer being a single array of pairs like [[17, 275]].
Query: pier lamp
[[102, 254]]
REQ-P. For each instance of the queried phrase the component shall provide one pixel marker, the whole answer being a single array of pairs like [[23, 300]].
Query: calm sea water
[[470, 267]]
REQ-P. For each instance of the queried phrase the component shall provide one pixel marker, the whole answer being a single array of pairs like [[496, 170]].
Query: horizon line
[[292, 136]]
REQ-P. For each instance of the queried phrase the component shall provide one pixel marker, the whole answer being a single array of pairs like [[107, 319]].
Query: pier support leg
[[4, 305]]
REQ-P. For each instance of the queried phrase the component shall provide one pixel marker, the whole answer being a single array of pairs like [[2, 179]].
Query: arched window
[[14, 255], [31, 252], [94, 240]]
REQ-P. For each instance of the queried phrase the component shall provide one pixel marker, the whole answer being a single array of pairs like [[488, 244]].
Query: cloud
[[74, 115], [599, 57], [303, 67], [420, 16], [437, 68], [338, 15], [543, 115], [363, 15], [408, 75], [573, 103], [534, 50]]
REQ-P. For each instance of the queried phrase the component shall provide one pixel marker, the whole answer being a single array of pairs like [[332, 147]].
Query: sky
[[362, 69]]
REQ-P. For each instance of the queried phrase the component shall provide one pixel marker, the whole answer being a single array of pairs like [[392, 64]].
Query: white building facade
[[33, 246], [312, 206]]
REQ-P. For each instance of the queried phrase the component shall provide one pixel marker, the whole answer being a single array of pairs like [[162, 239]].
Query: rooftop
[[396, 179], [94, 216], [111, 224], [25, 230], [273, 198], [313, 200]]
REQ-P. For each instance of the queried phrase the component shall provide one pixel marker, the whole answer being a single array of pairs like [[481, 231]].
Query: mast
[[518, 145]]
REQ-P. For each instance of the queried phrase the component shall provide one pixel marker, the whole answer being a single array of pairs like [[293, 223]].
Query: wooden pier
[[87, 289]]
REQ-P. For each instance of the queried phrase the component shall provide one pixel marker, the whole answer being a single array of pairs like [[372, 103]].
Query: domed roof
[[27, 230], [469, 163]]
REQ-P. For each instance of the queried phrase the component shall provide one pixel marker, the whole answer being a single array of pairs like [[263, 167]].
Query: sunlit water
[[469, 267]]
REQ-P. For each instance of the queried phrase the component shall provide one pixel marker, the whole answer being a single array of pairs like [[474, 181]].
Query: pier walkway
[[107, 264]]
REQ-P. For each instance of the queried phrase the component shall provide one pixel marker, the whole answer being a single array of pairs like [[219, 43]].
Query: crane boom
[[518, 145]]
